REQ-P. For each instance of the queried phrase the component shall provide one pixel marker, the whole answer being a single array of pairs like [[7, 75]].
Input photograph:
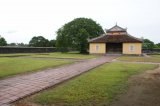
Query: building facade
[[116, 40]]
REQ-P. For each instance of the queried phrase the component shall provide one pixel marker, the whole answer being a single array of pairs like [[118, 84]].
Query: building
[[116, 40]]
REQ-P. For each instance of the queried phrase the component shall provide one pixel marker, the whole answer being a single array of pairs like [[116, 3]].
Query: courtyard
[[49, 78]]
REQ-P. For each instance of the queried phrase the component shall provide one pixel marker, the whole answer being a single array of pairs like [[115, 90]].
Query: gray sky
[[20, 20]]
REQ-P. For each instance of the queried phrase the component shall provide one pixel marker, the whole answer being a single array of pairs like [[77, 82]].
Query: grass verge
[[152, 58], [13, 66], [98, 87], [66, 55], [71, 55]]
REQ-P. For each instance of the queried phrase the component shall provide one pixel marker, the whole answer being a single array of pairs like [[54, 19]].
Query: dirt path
[[17, 87], [144, 90]]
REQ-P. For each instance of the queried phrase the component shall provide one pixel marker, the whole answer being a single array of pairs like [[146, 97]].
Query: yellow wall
[[137, 48], [101, 48]]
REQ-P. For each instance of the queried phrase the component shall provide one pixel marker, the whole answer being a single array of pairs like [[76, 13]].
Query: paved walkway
[[12, 89]]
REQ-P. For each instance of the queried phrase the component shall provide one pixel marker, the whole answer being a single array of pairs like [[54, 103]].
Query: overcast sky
[[20, 20]]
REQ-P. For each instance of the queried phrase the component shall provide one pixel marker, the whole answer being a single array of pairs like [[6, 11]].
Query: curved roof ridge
[[96, 37], [134, 37]]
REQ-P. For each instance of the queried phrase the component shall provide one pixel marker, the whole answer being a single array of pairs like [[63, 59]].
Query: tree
[[147, 44], [12, 44], [38, 41], [75, 34], [3, 42], [82, 40], [52, 43], [17, 44], [21, 45], [157, 45]]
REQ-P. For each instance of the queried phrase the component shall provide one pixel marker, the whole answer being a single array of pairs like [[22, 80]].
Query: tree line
[[36, 41], [73, 35], [148, 44]]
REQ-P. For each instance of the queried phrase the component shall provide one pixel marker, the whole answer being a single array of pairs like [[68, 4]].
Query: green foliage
[[39, 41], [12, 44], [82, 40], [17, 44], [157, 45], [3, 42], [21, 45], [52, 43], [98, 87], [62, 41], [75, 34], [148, 44]]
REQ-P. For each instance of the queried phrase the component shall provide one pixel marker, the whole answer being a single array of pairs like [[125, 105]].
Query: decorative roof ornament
[[126, 28], [116, 28], [116, 24]]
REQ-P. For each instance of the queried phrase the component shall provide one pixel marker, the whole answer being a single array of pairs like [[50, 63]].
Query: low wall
[[151, 51], [27, 49]]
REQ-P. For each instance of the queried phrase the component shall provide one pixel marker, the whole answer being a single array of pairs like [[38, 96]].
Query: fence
[[4, 49]]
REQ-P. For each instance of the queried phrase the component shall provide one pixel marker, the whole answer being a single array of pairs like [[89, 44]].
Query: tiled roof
[[116, 28], [115, 39], [115, 34]]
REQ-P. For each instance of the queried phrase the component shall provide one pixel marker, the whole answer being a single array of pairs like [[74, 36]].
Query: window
[[131, 48], [97, 47]]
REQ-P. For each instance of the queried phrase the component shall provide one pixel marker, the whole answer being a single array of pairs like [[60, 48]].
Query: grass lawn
[[158, 56], [74, 55], [66, 55], [95, 88], [13, 66], [152, 58], [15, 55]]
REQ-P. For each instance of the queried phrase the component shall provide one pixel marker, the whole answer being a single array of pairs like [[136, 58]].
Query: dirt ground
[[144, 90]]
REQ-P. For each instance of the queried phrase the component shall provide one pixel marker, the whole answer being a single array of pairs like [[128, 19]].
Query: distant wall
[[151, 51], [26, 49]]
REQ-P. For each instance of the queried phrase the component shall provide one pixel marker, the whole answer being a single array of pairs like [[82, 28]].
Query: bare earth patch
[[144, 90]]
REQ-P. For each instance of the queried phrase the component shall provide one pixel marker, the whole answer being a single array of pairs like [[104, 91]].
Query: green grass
[[152, 58], [15, 55], [13, 66], [66, 55], [74, 55], [158, 56], [98, 87]]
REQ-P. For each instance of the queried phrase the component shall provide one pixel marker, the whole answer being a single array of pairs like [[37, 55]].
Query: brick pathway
[[14, 88]]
